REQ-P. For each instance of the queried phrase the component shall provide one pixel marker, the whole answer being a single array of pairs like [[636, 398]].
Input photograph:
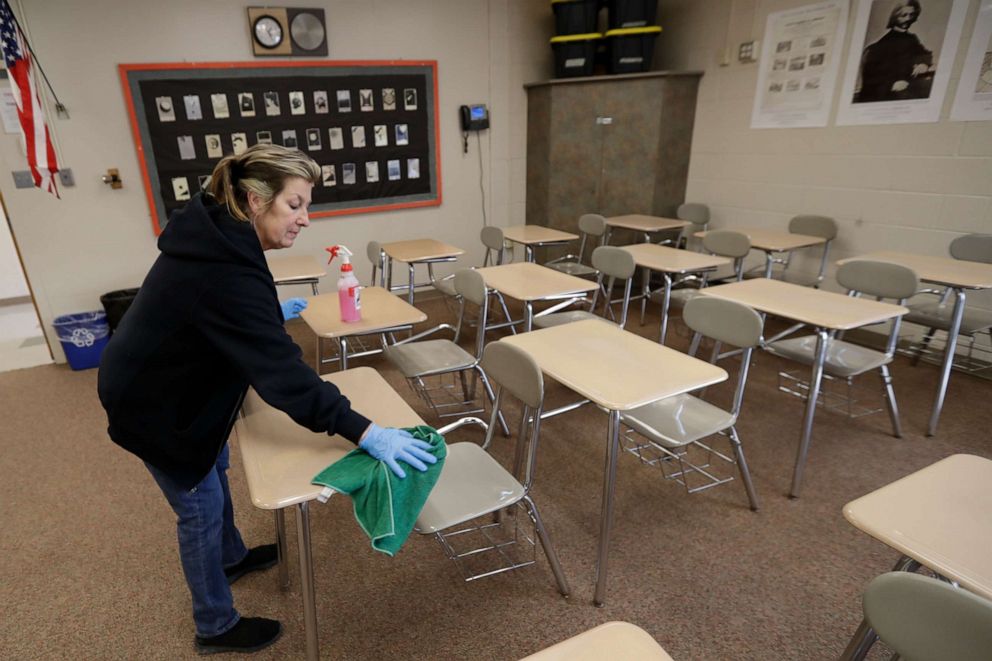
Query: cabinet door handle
[[604, 120]]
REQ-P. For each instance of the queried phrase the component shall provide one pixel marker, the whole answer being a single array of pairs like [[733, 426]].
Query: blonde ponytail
[[263, 170]]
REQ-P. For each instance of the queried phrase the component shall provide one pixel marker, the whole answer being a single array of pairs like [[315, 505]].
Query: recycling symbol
[[82, 337]]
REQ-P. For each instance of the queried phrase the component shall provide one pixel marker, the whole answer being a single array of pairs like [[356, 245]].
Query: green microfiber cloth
[[386, 507]]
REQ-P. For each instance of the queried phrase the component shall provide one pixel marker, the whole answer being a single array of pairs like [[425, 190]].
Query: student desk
[[825, 312], [937, 517], [669, 262], [296, 270], [647, 225], [955, 274], [531, 236], [529, 282], [417, 251], [382, 312], [280, 458], [617, 371], [773, 241]]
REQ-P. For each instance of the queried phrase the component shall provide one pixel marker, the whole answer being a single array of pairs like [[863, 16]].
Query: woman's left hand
[[292, 308]]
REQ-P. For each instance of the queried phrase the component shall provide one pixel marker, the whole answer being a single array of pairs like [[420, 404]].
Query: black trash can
[[116, 303], [630, 50], [574, 54], [575, 16], [631, 13]]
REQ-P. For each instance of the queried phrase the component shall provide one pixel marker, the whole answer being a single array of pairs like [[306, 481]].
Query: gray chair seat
[[472, 484], [843, 358], [561, 318], [677, 421], [573, 268], [428, 357], [446, 286], [935, 315]]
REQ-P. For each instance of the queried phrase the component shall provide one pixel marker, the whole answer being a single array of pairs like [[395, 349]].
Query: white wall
[[911, 187], [97, 239]]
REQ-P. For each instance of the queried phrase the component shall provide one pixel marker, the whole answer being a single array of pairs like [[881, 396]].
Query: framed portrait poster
[[902, 52], [973, 101], [799, 64], [357, 120]]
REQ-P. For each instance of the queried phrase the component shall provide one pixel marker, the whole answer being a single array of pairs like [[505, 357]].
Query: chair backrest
[[726, 322], [925, 619], [614, 262], [470, 284], [695, 213], [492, 237], [878, 278], [374, 252], [727, 243], [514, 369], [973, 248], [722, 320], [592, 224], [821, 226]]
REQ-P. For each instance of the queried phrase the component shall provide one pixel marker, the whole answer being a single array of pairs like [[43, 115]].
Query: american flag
[[20, 68]]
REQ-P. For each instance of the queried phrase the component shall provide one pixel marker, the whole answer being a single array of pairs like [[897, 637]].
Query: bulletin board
[[371, 125]]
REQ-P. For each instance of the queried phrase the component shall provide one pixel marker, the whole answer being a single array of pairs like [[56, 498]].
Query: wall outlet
[[66, 178], [747, 52]]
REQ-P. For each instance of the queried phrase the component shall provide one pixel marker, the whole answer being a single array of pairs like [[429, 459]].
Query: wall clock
[[267, 31], [287, 31]]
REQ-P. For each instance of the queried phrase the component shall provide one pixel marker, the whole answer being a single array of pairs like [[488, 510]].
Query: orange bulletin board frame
[[397, 184]]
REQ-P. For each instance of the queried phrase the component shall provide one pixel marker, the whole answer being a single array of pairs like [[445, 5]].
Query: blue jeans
[[208, 542]]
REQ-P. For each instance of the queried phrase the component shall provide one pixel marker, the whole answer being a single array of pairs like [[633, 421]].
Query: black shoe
[[250, 634], [259, 558]]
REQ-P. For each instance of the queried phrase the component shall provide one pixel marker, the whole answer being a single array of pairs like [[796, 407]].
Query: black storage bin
[[574, 54], [630, 50], [116, 303], [575, 16], [631, 13]]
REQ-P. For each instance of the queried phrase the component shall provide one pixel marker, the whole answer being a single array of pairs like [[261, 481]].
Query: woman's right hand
[[388, 444]]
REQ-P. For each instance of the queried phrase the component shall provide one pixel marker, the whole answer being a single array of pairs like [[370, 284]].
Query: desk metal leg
[[410, 287], [814, 394], [389, 274], [945, 368], [528, 253], [317, 362], [313, 286], [606, 515], [528, 316], [306, 581], [664, 307], [769, 262], [280, 517], [343, 348], [645, 291]]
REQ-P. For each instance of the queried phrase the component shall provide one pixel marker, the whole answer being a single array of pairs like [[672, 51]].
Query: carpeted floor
[[89, 567]]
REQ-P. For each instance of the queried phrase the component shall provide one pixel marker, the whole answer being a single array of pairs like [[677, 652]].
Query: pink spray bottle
[[349, 290]]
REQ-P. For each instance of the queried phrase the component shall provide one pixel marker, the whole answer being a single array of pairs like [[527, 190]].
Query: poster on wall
[[344, 115], [973, 101], [902, 52], [799, 65]]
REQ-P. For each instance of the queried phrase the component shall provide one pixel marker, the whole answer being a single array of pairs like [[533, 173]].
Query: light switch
[[747, 52], [66, 178]]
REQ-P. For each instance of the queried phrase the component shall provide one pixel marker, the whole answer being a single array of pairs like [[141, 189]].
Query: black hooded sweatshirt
[[205, 325]]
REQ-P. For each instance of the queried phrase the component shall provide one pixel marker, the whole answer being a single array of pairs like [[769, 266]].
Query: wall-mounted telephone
[[474, 118]]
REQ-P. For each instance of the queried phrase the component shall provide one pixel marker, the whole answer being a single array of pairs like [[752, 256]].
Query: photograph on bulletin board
[[371, 126]]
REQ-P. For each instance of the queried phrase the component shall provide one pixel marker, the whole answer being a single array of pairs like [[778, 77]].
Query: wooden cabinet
[[608, 144]]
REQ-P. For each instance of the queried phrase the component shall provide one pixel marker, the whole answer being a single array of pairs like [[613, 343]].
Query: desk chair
[[694, 212], [810, 225], [420, 360], [610, 262], [591, 226], [672, 427], [378, 259], [492, 239], [845, 360], [925, 619], [936, 315], [723, 243], [473, 484], [620, 641]]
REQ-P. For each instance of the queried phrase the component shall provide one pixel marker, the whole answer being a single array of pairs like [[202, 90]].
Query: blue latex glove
[[292, 308], [387, 444]]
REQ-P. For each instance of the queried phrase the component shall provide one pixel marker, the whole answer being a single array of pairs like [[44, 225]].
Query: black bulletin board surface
[[372, 126]]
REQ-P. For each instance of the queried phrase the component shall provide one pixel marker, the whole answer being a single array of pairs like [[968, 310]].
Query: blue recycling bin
[[83, 336]]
